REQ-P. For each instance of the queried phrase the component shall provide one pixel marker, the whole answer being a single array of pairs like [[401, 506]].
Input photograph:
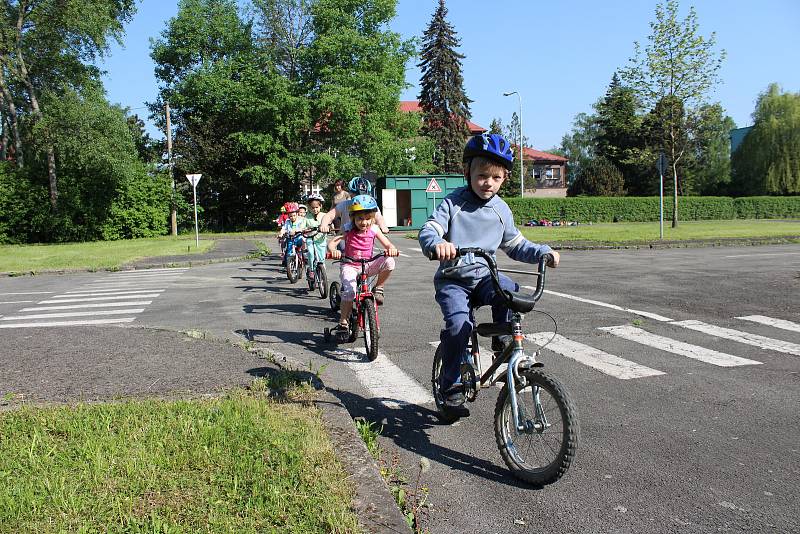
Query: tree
[[47, 46], [768, 159], [618, 129], [442, 97], [598, 177], [578, 146], [676, 69], [496, 127], [709, 157], [285, 28]]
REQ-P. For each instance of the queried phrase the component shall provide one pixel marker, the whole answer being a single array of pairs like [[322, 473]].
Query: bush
[[645, 209]]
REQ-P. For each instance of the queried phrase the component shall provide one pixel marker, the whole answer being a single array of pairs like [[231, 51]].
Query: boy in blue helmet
[[473, 216], [358, 186]]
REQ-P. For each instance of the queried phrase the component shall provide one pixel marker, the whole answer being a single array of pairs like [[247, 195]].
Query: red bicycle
[[364, 317]]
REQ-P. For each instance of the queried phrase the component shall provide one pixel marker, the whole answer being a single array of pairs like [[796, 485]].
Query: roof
[[538, 155], [412, 106]]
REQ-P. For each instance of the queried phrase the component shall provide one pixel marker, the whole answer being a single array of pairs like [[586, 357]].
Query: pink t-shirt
[[359, 244]]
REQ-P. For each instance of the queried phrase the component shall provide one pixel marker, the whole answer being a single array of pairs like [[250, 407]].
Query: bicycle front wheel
[[371, 333], [292, 268], [541, 452], [334, 296], [322, 281]]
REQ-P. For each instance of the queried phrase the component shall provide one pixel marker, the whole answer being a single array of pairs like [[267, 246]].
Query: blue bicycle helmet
[[492, 146], [360, 186], [362, 203]]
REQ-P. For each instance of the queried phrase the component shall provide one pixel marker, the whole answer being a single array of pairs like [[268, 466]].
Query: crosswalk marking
[[112, 290], [70, 323], [118, 297], [384, 380], [742, 337], [79, 306], [695, 352], [29, 293], [71, 314], [131, 293], [777, 323], [592, 357]]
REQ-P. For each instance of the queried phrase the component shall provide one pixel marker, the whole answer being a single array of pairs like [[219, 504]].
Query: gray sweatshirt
[[466, 220]]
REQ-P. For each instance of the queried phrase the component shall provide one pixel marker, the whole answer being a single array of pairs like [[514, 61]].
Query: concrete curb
[[373, 503]]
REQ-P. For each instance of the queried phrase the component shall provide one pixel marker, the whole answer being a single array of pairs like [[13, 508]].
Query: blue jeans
[[455, 299]]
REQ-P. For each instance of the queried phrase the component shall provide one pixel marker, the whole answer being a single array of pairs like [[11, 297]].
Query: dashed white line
[[132, 293], [28, 293], [69, 323], [742, 337], [592, 357], [649, 315], [16, 301], [72, 314], [777, 323], [162, 270], [695, 352]]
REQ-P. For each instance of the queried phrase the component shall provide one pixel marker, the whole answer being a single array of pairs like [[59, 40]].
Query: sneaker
[[377, 292], [341, 333], [454, 396]]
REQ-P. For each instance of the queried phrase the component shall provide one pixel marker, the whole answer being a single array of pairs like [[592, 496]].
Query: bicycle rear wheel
[[322, 281], [371, 332], [445, 415], [334, 296], [541, 453]]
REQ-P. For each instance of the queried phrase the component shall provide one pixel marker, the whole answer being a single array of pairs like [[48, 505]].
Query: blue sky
[[560, 56]]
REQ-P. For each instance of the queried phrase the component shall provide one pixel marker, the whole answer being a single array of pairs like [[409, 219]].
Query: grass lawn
[[94, 255], [241, 463], [637, 233]]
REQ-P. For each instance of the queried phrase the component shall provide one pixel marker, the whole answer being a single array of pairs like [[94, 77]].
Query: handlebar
[[516, 301], [358, 260]]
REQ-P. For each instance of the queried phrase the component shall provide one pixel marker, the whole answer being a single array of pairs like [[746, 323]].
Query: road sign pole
[[196, 229], [661, 206]]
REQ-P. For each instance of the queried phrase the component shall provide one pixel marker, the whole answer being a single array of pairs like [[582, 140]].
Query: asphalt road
[[702, 443]]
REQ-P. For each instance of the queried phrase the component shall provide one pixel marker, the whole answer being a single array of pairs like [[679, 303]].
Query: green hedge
[[645, 209]]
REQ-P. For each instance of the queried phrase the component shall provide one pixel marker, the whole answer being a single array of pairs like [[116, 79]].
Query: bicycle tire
[[322, 281], [557, 443], [371, 332], [310, 280], [444, 415], [354, 326], [291, 268], [334, 296]]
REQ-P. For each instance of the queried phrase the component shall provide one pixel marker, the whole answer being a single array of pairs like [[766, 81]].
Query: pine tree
[[619, 136], [445, 105]]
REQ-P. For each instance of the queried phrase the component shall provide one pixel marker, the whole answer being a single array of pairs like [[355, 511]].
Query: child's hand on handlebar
[[446, 251], [392, 252], [336, 254], [554, 258]]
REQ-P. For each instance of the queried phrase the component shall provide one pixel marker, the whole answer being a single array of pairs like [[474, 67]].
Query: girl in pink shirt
[[358, 243]]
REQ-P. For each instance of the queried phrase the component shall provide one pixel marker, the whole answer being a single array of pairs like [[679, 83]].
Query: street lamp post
[[521, 149]]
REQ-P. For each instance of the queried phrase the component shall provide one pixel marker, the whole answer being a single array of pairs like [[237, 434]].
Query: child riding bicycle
[[292, 228], [315, 246], [474, 216], [358, 243]]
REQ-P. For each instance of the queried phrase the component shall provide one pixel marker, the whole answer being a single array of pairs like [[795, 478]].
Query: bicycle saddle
[[520, 302]]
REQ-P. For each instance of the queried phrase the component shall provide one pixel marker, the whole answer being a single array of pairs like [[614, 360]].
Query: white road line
[[29, 293], [592, 357], [163, 270], [403, 255], [125, 286], [69, 323], [107, 293], [417, 249], [63, 301], [111, 291], [777, 323], [16, 301], [384, 380], [606, 305], [86, 306], [133, 279], [742, 337], [72, 314], [763, 254], [695, 352]]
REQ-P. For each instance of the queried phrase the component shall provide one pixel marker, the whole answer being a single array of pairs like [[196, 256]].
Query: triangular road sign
[[433, 187]]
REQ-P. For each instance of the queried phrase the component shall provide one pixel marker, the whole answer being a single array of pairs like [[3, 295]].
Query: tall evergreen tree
[[618, 138], [442, 97]]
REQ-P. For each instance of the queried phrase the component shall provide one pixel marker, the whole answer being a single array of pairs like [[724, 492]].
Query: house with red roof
[[545, 172], [412, 106]]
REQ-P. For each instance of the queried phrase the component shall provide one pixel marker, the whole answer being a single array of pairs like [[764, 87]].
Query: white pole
[[196, 232]]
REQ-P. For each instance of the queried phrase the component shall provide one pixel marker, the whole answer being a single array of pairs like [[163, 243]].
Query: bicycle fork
[[521, 422]]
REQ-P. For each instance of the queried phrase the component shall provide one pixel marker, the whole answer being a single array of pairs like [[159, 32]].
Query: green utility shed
[[404, 201]]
